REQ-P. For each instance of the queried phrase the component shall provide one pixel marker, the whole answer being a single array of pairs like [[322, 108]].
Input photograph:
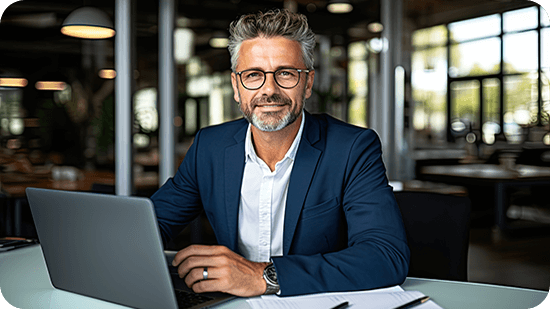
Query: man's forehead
[[264, 38], [270, 48], [271, 42]]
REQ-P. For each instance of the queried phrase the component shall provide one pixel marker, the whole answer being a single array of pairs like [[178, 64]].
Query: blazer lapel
[[234, 169], [307, 158]]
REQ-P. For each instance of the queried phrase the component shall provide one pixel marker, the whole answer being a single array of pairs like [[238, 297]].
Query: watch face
[[271, 274]]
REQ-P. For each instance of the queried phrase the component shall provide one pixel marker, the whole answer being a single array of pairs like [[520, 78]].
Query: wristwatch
[[270, 277]]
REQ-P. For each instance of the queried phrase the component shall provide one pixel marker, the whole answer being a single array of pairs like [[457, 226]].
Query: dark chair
[[4, 215], [437, 227], [110, 189], [102, 188]]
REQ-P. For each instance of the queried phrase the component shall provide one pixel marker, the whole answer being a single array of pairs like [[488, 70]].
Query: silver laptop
[[109, 247]]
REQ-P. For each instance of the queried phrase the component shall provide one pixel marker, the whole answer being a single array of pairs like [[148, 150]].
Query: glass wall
[[482, 75], [429, 83], [11, 121], [357, 83]]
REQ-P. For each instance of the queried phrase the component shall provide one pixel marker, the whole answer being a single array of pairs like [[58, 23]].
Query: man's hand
[[228, 272]]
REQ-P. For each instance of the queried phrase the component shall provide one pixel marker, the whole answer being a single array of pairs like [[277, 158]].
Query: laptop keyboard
[[187, 299]]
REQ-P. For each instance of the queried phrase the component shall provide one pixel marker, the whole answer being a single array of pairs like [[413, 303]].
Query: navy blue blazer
[[342, 227]]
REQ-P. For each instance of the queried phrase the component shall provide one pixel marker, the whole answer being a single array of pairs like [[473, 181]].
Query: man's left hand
[[228, 272]]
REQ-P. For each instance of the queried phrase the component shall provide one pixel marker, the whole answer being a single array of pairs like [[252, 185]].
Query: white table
[[25, 283]]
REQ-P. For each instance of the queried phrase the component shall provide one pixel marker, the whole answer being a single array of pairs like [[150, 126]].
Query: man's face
[[271, 107]]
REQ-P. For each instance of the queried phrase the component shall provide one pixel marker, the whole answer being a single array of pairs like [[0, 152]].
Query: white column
[[390, 57], [167, 90], [123, 98]]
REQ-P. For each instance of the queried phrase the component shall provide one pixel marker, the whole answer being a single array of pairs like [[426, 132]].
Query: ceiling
[[31, 43]]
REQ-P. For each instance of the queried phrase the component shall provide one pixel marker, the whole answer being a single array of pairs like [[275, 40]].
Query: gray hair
[[273, 23]]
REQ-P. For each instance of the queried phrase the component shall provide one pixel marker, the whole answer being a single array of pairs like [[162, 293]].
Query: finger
[[197, 274], [196, 250], [210, 285], [200, 262], [183, 254]]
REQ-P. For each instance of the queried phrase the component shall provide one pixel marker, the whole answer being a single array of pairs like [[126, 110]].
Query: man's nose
[[270, 85]]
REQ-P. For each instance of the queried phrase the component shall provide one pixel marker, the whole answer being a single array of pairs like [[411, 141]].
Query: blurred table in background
[[500, 178], [13, 186], [428, 186]]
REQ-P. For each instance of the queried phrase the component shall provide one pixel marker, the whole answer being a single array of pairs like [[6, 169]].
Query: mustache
[[274, 98]]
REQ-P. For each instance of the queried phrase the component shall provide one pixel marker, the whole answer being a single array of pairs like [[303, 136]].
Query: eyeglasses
[[286, 78]]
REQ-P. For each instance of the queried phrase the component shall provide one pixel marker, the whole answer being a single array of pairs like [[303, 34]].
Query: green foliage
[[104, 125]]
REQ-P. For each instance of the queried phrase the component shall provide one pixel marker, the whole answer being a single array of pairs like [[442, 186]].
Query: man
[[299, 203]]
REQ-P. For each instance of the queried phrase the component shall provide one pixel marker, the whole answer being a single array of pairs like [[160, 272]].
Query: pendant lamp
[[88, 23]]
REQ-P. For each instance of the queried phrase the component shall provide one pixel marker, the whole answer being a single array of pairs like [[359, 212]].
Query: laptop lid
[[103, 246]]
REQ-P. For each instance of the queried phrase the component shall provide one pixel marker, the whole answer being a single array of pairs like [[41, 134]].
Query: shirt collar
[[250, 152]]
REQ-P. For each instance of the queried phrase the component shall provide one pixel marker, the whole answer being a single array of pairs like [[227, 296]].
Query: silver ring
[[205, 273]]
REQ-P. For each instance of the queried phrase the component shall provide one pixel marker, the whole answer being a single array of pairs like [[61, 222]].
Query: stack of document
[[387, 298], [10, 243]]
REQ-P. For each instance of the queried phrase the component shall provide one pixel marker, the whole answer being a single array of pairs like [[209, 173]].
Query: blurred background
[[458, 91]]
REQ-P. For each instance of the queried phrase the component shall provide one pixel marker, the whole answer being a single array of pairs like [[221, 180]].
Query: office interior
[[458, 91]]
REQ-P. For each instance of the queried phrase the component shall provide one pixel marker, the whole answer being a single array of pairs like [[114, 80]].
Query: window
[[145, 116], [491, 84], [465, 103], [524, 59], [357, 81], [545, 73], [429, 83], [519, 20], [11, 115], [467, 60]]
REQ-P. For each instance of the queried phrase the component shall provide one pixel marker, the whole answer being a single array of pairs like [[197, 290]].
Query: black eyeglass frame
[[275, 78]]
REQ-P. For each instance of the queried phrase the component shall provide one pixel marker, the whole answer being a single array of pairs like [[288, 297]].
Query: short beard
[[276, 125]]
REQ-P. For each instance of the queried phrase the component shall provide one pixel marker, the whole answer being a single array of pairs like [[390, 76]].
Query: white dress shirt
[[263, 202]]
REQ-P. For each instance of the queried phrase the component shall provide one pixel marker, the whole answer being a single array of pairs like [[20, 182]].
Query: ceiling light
[[377, 45], [339, 6], [37, 20], [13, 82], [184, 45], [88, 23], [219, 40], [107, 73], [375, 27], [50, 85]]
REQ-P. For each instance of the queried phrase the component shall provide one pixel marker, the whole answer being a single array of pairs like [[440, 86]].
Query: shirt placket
[[266, 191]]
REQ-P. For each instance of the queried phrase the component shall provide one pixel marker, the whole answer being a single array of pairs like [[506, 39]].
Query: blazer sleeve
[[377, 254], [178, 202]]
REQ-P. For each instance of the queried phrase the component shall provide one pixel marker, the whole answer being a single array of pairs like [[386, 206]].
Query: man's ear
[[235, 85], [309, 83]]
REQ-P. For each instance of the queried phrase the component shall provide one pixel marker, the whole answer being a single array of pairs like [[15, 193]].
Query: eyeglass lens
[[286, 78]]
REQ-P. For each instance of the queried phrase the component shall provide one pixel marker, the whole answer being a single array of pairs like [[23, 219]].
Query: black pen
[[415, 302], [340, 306]]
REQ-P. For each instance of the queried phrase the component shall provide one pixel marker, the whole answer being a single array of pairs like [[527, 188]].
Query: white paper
[[373, 299]]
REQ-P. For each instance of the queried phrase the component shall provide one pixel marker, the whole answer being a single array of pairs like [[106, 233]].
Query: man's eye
[[287, 75], [252, 75]]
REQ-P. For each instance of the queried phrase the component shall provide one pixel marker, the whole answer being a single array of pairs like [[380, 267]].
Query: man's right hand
[[228, 272]]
